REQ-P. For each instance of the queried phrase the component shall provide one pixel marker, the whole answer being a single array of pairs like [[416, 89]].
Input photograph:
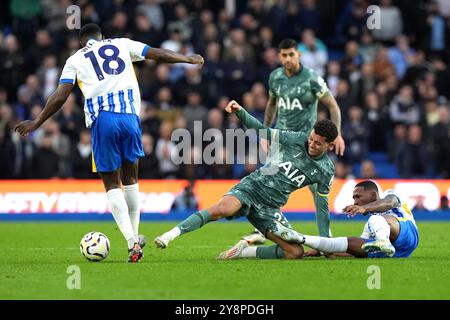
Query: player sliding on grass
[[390, 231], [104, 71], [300, 161], [294, 92]]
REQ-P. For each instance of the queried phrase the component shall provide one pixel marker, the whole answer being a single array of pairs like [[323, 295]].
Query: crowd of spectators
[[390, 83]]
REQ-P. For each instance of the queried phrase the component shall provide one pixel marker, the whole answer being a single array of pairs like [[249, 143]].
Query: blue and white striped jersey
[[105, 74]]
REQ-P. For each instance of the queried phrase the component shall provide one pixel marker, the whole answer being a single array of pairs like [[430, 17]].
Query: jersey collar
[[296, 73], [90, 42]]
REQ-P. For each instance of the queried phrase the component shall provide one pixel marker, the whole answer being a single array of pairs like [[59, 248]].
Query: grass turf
[[34, 258]]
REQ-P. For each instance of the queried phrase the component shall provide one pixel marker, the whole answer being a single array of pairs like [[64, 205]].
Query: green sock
[[194, 221], [322, 213], [270, 252], [323, 224]]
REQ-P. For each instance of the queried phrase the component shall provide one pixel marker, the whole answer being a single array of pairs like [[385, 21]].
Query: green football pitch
[[34, 260]]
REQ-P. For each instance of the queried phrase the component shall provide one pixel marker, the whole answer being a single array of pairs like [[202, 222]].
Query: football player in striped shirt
[[103, 70]]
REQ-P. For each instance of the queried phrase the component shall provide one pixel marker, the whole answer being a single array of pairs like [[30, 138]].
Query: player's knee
[[129, 180], [294, 252], [219, 211]]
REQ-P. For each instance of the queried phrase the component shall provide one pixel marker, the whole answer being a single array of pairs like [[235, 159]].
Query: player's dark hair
[[327, 129], [90, 29], [287, 44], [368, 185]]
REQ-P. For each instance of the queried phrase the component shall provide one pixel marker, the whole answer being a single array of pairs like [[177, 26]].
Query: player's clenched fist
[[25, 127], [232, 107], [196, 59]]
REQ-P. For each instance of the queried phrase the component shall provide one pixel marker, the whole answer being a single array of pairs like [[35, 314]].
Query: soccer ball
[[94, 246]]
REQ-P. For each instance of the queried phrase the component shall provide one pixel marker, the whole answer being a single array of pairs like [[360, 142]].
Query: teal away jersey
[[297, 98]]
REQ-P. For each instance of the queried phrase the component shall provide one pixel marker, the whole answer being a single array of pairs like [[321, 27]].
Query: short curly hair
[[90, 29], [327, 129]]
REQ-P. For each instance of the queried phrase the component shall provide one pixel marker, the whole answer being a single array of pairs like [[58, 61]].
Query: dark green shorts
[[261, 216]]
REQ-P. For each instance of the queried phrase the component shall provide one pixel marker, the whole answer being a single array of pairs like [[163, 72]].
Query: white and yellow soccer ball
[[94, 246]]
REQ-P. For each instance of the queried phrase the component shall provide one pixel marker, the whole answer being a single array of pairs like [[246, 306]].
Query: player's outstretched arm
[[248, 120], [168, 56], [335, 114], [381, 205], [54, 103]]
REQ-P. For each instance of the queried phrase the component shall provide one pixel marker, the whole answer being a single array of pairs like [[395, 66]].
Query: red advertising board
[[82, 196]]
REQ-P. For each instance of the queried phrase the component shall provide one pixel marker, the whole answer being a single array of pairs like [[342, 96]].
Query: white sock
[[131, 193], [326, 244], [249, 252], [172, 233], [119, 211], [378, 227]]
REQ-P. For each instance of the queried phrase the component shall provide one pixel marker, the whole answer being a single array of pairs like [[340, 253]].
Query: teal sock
[[194, 221], [270, 252], [322, 213], [323, 223]]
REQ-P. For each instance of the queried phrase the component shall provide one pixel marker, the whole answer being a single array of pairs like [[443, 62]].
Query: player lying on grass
[[103, 69], [300, 161], [390, 231]]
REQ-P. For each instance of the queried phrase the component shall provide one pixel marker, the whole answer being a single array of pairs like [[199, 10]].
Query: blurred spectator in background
[[149, 120], [46, 161], [186, 200], [117, 28], [416, 159], [148, 165], [7, 153], [48, 75], [333, 76], [391, 22], [153, 12], [42, 47], [343, 98], [420, 205], [400, 55], [436, 35], [213, 72], [355, 132], [441, 146], [352, 22], [398, 147], [314, 53], [351, 61], [376, 122], [164, 150], [194, 110], [12, 65], [82, 157], [368, 170], [145, 30], [403, 109], [444, 204], [343, 171], [71, 119]]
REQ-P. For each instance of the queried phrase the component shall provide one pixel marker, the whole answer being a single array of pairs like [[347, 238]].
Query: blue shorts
[[405, 244], [116, 138], [407, 240]]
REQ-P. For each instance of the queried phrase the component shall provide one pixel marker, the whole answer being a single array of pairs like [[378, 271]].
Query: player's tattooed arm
[[54, 103], [271, 110], [168, 56], [335, 114], [381, 205]]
